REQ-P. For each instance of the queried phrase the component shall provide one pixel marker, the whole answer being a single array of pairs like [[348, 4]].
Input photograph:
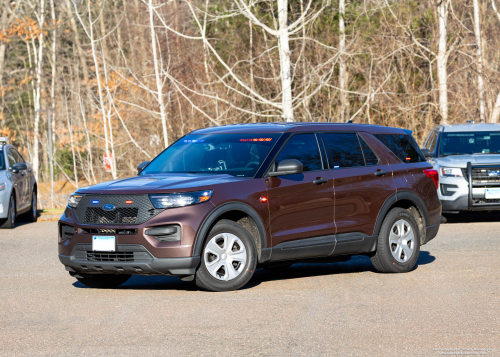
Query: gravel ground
[[448, 305]]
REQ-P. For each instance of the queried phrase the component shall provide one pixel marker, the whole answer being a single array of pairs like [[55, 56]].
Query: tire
[[228, 258], [397, 253], [32, 215], [10, 221], [104, 281]]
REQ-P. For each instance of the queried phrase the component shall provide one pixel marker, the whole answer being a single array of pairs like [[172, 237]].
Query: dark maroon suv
[[220, 202]]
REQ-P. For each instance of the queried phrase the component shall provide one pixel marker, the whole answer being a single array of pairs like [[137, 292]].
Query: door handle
[[320, 181], [380, 173], [22, 173], [29, 170]]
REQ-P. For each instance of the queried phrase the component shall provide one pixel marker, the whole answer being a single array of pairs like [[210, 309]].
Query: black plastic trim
[[216, 213], [431, 231], [326, 246], [158, 266], [399, 196], [304, 248]]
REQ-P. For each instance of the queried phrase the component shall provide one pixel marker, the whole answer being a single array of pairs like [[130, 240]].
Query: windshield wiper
[[486, 153]]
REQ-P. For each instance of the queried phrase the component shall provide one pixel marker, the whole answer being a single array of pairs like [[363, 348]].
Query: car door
[[24, 181], [16, 179], [362, 182], [301, 206]]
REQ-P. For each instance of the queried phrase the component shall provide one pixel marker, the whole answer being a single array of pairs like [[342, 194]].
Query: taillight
[[433, 174]]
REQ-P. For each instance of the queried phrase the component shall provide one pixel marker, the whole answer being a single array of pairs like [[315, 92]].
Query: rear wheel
[[104, 281], [32, 215], [398, 244], [229, 258], [10, 221]]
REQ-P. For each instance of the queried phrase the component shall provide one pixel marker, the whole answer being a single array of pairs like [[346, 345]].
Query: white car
[[467, 157], [18, 187]]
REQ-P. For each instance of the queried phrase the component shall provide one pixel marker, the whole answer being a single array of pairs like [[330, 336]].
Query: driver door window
[[305, 148]]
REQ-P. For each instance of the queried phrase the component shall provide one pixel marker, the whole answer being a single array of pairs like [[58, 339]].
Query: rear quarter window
[[403, 146]]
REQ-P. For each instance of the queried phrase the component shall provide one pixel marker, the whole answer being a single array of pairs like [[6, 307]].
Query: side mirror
[[141, 166], [21, 166], [288, 167], [14, 169], [427, 153]]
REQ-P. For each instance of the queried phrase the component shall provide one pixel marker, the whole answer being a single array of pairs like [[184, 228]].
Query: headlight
[[74, 200], [2, 186], [172, 200], [450, 172]]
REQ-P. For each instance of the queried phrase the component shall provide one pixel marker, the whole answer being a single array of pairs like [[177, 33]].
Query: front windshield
[[470, 142], [232, 154]]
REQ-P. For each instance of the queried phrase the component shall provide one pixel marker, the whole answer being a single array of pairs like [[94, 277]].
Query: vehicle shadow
[[473, 217], [357, 264]]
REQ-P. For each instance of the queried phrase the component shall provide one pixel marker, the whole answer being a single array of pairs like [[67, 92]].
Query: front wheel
[[104, 281], [10, 221], [229, 258], [398, 243]]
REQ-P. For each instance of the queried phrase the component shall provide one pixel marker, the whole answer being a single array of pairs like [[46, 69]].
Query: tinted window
[[18, 157], [10, 156], [344, 150], [431, 141], [302, 147], [2, 161], [466, 143], [403, 146], [370, 158], [231, 154]]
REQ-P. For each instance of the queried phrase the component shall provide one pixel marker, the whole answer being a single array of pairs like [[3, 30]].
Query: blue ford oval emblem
[[108, 207]]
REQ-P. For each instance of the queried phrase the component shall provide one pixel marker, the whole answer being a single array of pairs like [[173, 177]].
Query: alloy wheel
[[225, 256]]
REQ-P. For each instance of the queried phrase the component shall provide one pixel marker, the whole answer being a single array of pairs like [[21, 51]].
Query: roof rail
[[3, 140], [470, 122]]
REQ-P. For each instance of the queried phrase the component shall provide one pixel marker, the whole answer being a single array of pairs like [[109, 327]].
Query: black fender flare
[[220, 210], [400, 196]]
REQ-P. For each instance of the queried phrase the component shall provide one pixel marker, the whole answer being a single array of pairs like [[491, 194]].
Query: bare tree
[[479, 52]]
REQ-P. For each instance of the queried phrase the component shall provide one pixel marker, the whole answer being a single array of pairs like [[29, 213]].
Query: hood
[[165, 183], [461, 160]]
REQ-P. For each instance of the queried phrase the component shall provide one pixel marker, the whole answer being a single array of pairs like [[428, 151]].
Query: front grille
[[484, 175], [108, 231], [110, 257], [140, 211], [124, 253]]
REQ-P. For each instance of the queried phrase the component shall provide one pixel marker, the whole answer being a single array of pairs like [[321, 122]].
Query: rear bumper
[[431, 231], [128, 259]]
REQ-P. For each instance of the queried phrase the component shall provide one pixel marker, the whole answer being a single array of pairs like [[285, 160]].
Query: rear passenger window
[[344, 150], [302, 147], [370, 158], [403, 146]]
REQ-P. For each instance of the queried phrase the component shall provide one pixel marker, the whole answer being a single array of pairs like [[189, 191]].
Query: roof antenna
[[329, 120], [350, 121]]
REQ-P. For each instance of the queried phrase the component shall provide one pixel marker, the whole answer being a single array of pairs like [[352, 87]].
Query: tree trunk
[[38, 94], [479, 52], [99, 88], [344, 102], [81, 54], [442, 60], [159, 83], [286, 75]]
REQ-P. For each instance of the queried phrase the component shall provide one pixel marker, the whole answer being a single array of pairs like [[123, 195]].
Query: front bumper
[[455, 196], [128, 259]]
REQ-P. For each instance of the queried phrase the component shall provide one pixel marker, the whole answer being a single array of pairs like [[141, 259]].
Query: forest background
[[89, 89]]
